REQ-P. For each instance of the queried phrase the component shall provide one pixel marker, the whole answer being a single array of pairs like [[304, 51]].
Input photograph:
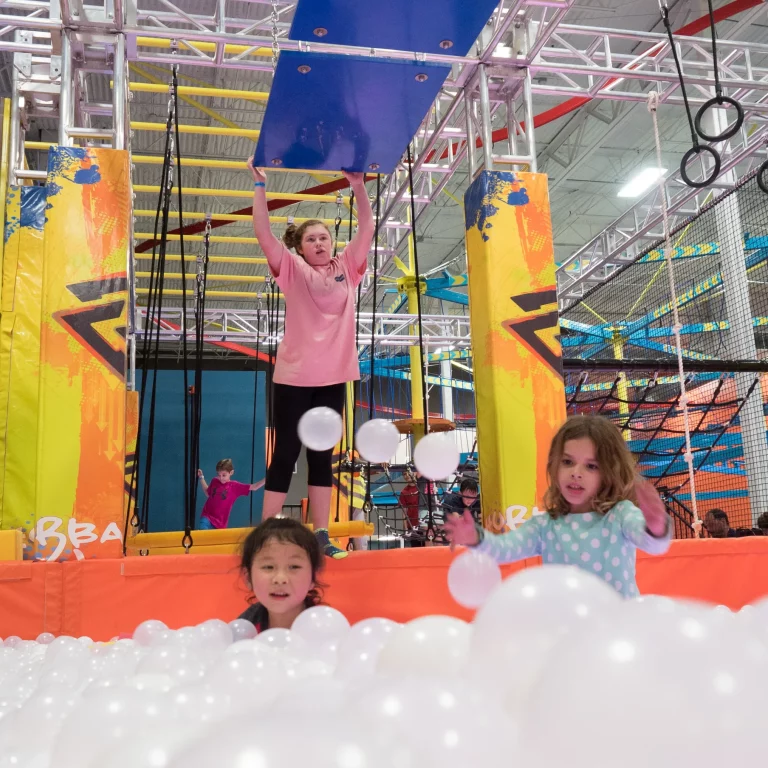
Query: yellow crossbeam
[[194, 90], [212, 259], [242, 193], [222, 278]]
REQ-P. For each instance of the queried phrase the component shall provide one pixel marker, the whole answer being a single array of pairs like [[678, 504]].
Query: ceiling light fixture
[[641, 182]]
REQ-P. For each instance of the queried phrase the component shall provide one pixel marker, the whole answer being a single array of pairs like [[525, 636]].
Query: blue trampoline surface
[[403, 25], [349, 113]]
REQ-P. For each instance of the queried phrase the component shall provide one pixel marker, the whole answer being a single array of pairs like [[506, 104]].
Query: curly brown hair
[[293, 235], [616, 463]]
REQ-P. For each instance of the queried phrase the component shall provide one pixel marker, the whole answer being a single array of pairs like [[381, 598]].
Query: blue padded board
[[402, 25], [346, 113]]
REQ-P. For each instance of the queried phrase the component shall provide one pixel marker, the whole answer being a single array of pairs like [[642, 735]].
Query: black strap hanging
[[255, 407], [368, 505], [697, 148], [425, 396], [139, 517], [718, 100]]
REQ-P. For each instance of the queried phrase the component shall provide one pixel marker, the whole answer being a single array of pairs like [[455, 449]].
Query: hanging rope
[[255, 407], [350, 441], [368, 505], [196, 400], [424, 394], [718, 100], [272, 319], [697, 148], [653, 105], [138, 519], [189, 474]]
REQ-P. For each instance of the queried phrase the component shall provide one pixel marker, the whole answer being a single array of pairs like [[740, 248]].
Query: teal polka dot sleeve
[[602, 544]]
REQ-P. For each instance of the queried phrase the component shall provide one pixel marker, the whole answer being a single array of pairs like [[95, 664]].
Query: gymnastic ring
[[692, 152], [762, 182], [729, 131]]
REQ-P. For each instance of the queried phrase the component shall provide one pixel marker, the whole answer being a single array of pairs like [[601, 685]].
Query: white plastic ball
[[213, 634], [518, 627], [321, 625], [434, 645], [149, 632], [45, 638], [436, 456], [242, 629], [282, 640], [377, 441], [472, 577], [360, 648], [650, 664], [436, 723], [320, 429]]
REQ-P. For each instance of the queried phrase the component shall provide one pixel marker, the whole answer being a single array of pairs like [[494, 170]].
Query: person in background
[[718, 526], [409, 500], [762, 524], [468, 497], [222, 493]]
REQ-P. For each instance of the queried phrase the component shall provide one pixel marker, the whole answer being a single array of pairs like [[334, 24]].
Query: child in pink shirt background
[[222, 493], [318, 354]]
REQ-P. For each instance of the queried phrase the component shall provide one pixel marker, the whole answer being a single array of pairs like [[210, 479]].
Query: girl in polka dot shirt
[[599, 510]]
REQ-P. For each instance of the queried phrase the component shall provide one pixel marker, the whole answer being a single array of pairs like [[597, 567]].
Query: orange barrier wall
[[102, 598]]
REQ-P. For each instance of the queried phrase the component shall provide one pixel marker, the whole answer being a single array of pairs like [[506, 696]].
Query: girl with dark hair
[[281, 560], [318, 353]]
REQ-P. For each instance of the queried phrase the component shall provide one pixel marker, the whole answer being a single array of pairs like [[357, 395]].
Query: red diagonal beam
[[272, 205], [230, 345], [571, 105]]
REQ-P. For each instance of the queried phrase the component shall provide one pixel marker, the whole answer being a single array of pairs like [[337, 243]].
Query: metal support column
[[741, 336], [446, 373], [471, 147], [529, 117], [66, 102], [14, 141], [486, 126], [119, 94]]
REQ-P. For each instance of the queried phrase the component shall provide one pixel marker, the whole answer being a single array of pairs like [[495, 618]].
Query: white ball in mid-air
[[377, 441], [436, 456], [320, 429]]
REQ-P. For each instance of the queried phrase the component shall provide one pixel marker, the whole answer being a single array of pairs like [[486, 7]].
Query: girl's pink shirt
[[318, 348]]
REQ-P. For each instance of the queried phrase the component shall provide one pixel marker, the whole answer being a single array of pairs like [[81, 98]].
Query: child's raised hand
[[461, 529], [652, 507], [697, 526], [199, 472]]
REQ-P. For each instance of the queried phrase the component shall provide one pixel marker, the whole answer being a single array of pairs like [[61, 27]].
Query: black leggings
[[289, 405]]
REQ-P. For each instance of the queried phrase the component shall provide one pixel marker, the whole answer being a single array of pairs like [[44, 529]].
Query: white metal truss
[[525, 50], [627, 236], [253, 325]]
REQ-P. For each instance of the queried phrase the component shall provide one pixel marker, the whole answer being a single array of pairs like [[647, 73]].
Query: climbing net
[[643, 352]]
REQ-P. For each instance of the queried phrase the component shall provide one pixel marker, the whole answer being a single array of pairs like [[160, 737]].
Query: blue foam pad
[[402, 25], [345, 113]]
